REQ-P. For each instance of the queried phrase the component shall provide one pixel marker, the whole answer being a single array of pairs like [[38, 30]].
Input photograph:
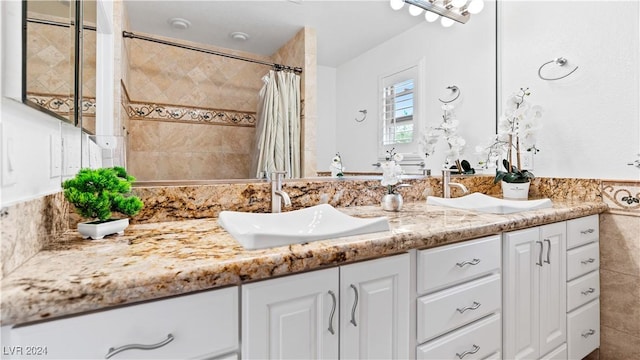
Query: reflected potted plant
[[96, 193], [516, 130]]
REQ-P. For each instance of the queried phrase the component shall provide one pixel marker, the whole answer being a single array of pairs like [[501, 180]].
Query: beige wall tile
[[620, 243], [620, 302], [616, 345]]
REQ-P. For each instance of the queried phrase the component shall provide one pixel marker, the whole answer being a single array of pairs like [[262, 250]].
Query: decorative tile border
[[178, 113], [623, 197], [62, 104]]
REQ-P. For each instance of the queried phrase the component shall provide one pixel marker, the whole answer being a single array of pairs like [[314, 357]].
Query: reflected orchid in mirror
[[337, 170], [448, 129]]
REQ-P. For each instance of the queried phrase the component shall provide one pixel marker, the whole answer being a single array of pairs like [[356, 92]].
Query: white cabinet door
[[293, 317], [374, 309], [520, 294], [553, 287]]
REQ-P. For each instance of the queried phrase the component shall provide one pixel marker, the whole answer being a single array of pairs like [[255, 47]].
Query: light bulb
[[397, 4], [431, 16], [475, 6], [458, 3], [446, 22], [414, 10]]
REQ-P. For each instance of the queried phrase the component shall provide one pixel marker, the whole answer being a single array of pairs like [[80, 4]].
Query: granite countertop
[[156, 260]]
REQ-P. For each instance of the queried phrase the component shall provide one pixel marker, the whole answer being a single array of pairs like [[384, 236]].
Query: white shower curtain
[[278, 125]]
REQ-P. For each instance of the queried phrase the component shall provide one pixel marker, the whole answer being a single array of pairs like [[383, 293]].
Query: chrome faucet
[[277, 194], [447, 184]]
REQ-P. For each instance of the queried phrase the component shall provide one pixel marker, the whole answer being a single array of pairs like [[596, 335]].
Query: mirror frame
[[77, 71]]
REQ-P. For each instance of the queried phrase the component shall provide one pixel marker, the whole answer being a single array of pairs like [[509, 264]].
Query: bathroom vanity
[[442, 283]]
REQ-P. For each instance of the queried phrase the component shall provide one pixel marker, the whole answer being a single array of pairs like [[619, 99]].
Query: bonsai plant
[[96, 193]]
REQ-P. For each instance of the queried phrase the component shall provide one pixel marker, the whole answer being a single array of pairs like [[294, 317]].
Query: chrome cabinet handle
[[355, 305], [548, 261], [472, 351], [466, 262], [540, 253], [586, 334], [588, 231], [333, 311], [474, 306], [113, 351], [588, 261], [589, 291]]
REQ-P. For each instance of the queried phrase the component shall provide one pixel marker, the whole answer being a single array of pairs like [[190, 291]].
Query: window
[[397, 113], [400, 111]]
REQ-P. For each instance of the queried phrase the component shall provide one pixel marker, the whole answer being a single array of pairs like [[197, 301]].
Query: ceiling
[[345, 29]]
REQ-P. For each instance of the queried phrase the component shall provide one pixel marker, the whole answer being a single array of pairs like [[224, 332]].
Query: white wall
[[327, 118], [462, 55], [591, 124], [29, 131]]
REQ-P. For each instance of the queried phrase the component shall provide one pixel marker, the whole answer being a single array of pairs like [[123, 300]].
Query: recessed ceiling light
[[179, 23], [240, 36]]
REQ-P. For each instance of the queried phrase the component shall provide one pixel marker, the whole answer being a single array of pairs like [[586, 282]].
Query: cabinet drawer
[[582, 260], [452, 264], [583, 230], [474, 341], [202, 324], [582, 290], [448, 309], [583, 327]]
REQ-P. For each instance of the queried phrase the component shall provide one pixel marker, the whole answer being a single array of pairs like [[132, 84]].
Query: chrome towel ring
[[455, 93], [561, 62]]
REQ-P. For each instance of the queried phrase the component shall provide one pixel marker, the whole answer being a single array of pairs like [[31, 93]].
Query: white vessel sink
[[489, 204], [259, 231]]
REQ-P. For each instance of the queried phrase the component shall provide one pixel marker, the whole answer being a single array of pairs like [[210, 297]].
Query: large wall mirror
[[172, 93], [59, 59]]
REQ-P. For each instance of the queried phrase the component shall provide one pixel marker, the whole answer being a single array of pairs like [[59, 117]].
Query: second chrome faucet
[[278, 196], [447, 184]]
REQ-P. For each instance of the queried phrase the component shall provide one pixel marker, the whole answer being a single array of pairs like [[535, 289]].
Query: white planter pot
[[515, 191], [99, 229], [392, 202]]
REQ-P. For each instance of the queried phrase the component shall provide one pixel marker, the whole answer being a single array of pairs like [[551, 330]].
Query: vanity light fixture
[[450, 10], [179, 23]]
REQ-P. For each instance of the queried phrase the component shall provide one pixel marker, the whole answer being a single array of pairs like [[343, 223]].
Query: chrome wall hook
[[560, 62], [455, 92], [364, 115]]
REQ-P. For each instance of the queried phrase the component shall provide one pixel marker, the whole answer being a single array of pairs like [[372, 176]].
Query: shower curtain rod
[[277, 67]]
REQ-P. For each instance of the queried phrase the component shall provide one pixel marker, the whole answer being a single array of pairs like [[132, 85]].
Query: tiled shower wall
[[175, 147], [620, 271]]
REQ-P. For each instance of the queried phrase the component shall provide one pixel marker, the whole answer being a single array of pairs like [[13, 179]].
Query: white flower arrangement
[[391, 171], [448, 129], [337, 170], [517, 129]]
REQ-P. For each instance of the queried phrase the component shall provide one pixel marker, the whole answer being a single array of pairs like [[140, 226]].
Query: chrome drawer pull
[[113, 351], [586, 334], [355, 305], [473, 351], [540, 253], [588, 231], [472, 307], [588, 261], [590, 291], [548, 261], [333, 311], [466, 262]]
